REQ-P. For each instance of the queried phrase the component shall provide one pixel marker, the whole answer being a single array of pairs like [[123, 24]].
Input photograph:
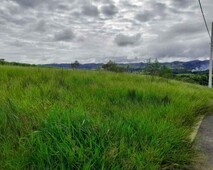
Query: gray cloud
[[64, 35], [41, 26], [181, 3], [28, 3], [109, 10], [90, 10], [181, 31], [126, 40], [145, 16], [156, 11], [37, 31]]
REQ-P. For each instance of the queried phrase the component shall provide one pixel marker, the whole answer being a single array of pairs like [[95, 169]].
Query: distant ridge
[[176, 66], [194, 65]]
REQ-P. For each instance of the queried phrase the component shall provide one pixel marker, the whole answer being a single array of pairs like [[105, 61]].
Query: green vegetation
[[157, 69], [3, 62], [75, 65], [197, 78], [72, 119], [112, 66]]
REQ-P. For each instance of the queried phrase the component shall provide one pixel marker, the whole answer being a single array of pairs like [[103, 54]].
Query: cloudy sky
[[53, 31]]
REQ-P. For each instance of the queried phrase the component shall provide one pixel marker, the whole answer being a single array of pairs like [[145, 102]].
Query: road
[[204, 143]]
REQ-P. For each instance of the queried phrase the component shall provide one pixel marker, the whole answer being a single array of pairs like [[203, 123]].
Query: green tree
[[165, 72], [112, 66], [152, 68], [75, 65], [157, 69]]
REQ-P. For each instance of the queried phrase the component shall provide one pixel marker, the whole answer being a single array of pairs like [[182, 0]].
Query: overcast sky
[[57, 31]]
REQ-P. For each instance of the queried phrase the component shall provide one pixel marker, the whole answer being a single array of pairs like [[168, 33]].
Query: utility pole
[[210, 61]]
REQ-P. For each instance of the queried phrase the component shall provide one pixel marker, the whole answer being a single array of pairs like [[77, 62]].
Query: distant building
[[1, 59]]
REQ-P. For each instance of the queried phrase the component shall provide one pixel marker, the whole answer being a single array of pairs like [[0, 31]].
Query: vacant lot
[[62, 119]]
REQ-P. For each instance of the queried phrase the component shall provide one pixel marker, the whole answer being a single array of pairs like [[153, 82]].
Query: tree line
[[151, 68]]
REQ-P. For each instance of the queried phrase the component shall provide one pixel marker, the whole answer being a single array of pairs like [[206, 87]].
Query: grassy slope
[[83, 119]]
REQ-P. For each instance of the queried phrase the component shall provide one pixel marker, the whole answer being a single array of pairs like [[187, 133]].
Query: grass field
[[63, 119]]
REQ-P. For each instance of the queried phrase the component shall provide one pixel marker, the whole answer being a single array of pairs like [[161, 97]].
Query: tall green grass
[[62, 119]]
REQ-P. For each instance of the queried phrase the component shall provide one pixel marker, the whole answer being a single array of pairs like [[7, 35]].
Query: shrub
[[112, 66]]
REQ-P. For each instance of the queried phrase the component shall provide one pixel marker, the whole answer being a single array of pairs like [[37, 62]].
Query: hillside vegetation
[[70, 119]]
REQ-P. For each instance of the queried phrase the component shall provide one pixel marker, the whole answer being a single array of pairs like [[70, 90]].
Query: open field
[[63, 119]]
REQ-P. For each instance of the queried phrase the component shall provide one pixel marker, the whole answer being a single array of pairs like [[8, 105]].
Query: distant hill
[[88, 66], [177, 66]]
